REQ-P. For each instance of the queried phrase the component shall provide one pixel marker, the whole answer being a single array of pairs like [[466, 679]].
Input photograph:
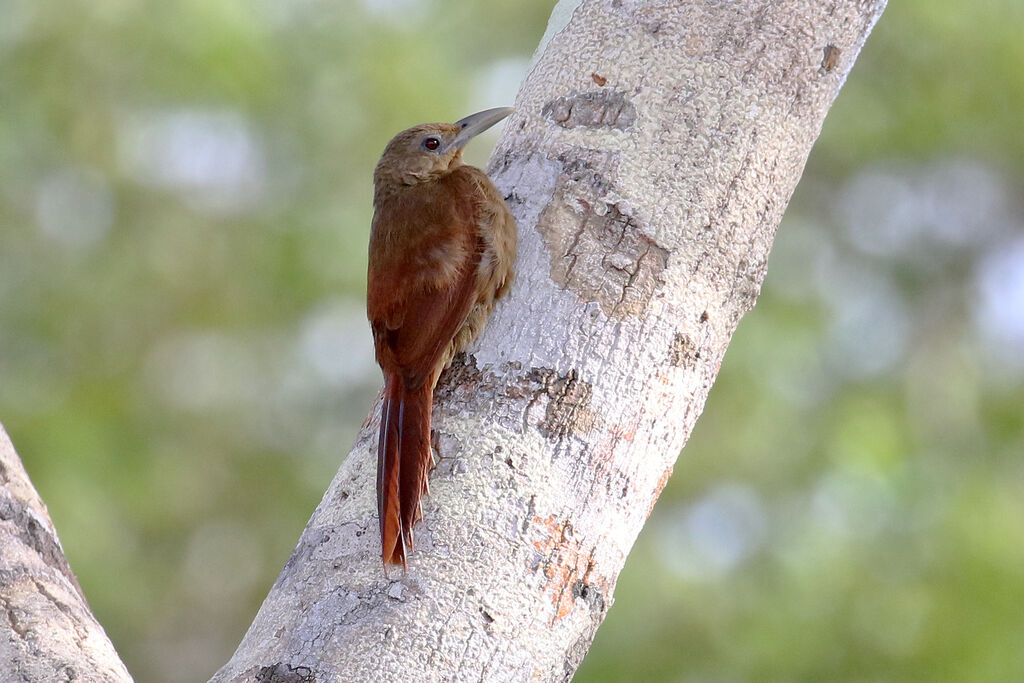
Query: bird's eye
[[432, 143]]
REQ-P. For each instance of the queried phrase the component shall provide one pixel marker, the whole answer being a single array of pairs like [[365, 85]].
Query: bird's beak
[[474, 124]]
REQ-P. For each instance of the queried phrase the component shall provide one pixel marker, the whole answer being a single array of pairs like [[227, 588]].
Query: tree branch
[[51, 635], [652, 154]]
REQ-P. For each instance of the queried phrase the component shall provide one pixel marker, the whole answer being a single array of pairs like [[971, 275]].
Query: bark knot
[[598, 249], [285, 673], [598, 109], [683, 351], [568, 408], [589, 594], [829, 58]]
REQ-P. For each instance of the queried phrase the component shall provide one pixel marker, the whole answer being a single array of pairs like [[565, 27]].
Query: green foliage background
[[184, 207]]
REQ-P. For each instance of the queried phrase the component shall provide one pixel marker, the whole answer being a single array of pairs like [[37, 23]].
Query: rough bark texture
[[49, 632], [653, 151]]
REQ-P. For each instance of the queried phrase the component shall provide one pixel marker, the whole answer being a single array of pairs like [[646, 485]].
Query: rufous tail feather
[[403, 460]]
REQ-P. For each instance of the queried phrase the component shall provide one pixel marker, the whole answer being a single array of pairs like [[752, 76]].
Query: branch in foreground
[[50, 633]]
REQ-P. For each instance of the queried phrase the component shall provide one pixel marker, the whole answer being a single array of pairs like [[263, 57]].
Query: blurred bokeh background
[[184, 208]]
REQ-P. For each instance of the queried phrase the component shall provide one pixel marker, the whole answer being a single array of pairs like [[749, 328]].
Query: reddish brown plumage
[[441, 251]]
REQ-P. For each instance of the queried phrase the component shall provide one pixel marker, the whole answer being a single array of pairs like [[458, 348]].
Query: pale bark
[[652, 154], [653, 151], [49, 633]]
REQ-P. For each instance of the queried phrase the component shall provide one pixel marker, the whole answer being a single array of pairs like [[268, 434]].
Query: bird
[[442, 250]]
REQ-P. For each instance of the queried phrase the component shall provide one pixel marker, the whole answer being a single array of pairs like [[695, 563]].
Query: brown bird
[[442, 245]]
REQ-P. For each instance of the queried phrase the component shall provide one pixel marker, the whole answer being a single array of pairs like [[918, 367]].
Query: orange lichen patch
[[623, 431], [662, 480], [568, 567]]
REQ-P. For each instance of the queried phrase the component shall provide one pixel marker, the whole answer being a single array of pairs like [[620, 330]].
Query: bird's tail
[[403, 460]]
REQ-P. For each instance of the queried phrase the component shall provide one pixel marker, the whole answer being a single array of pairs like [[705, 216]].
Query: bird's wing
[[424, 264], [423, 322]]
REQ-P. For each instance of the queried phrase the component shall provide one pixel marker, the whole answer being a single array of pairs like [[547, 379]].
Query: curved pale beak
[[474, 124]]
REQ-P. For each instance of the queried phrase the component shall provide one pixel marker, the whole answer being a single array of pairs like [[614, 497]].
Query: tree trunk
[[51, 634], [653, 151]]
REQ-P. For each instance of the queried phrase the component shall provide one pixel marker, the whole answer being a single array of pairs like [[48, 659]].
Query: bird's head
[[430, 150]]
